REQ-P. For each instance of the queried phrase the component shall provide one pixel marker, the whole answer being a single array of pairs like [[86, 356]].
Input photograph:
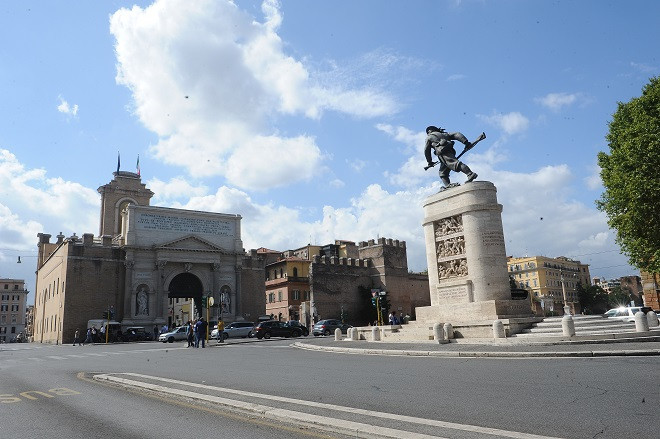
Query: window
[[6, 286], [296, 295], [279, 296], [4, 307], [14, 307], [295, 272], [271, 297]]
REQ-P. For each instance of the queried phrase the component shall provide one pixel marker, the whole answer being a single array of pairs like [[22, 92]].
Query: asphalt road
[[236, 389]]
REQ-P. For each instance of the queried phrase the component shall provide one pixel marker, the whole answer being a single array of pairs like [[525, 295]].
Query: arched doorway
[[186, 285]]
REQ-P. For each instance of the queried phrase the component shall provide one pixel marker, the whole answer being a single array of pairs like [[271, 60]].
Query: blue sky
[[307, 117]]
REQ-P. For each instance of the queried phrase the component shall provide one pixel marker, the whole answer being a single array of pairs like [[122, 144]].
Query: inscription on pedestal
[[453, 294], [492, 238]]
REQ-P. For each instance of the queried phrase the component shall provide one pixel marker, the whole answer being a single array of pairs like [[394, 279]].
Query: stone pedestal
[[466, 258]]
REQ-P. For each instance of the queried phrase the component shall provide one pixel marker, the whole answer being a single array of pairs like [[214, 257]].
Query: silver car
[[180, 333], [235, 329]]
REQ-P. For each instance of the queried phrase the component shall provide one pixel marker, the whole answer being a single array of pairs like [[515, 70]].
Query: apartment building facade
[[13, 309], [547, 278]]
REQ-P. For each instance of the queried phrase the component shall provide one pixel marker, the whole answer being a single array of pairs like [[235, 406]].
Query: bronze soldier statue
[[442, 143]]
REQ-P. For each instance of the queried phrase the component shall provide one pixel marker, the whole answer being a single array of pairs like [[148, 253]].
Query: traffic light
[[105, 315], [373, 301], [203, 301]]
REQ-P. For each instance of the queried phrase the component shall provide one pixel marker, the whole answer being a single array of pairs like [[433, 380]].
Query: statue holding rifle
[[442, 143]]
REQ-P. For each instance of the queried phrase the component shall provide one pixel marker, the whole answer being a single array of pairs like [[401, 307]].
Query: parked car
[[297, 324], [136, 333], [180, 333], [274, 328], [327, 327], [235, 329], [625, 313]]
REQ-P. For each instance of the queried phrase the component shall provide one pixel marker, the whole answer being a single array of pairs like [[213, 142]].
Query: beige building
[[546, 279], [13, 312], [145, 257], [287, 286]]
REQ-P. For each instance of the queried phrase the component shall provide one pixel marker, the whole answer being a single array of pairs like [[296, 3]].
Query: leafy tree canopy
[[631, 177]]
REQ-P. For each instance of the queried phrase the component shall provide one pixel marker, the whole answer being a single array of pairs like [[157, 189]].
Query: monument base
[[475, 319]]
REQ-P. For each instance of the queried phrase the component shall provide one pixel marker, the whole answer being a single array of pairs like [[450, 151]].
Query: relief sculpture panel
[[450, 247]]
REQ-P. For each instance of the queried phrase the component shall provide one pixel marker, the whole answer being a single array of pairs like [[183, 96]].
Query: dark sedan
[[274, 328], [328, 326], [298, 325]]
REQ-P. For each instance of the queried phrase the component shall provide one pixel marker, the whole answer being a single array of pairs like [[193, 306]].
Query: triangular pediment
[[192, 243]]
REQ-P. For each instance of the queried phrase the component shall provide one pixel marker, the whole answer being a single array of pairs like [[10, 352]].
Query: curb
[[474, 354]]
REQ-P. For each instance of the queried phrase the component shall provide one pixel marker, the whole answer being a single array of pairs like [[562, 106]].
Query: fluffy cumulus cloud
[[64, 107], [208, 78], [556, 101], [34, 203], [510, 123]]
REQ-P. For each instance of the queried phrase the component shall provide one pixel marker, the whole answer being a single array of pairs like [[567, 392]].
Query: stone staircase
[[550, 329]]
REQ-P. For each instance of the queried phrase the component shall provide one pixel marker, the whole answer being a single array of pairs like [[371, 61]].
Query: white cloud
[[65, 108], [556, 101], [337, 183], [593, 180], [643, 67], [175, 188], [455, 77], [209, 81], [510, 123], [356, 164]]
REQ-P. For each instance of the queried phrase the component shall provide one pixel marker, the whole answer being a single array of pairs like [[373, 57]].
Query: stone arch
[[187, 285], [121, 204]]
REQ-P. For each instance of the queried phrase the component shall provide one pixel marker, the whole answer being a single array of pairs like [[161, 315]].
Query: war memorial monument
[[466, 257]]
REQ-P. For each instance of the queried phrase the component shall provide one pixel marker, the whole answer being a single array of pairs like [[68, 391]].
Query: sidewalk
[[488, 348]]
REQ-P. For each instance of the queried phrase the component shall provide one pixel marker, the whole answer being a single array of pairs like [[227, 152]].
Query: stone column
[[235, 292], [128, 290], [160, 288]]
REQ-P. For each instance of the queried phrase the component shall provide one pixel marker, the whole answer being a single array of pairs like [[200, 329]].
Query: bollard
[[568, 326], [652, 319], [337, 334], [449, 331], [349, 331], [641, 323], [498, 329], [375, 334], [439, 333], [355, 335]]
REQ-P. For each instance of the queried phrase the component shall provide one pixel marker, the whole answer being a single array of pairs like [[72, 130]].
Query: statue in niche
[[142, 302]]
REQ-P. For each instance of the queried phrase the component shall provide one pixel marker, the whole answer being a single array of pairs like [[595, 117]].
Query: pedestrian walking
[[76, 338], [191, 335], [88, 338]]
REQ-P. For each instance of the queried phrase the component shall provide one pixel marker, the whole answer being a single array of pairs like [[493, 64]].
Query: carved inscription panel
[[153, 221], [452, 294]]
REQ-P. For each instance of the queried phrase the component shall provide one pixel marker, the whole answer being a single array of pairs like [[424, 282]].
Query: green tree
[[617, 297], [593, 299], [631, 176]]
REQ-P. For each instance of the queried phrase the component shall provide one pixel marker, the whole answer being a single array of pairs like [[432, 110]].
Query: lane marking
[[276, 414], [351, 410], [55, 357]]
